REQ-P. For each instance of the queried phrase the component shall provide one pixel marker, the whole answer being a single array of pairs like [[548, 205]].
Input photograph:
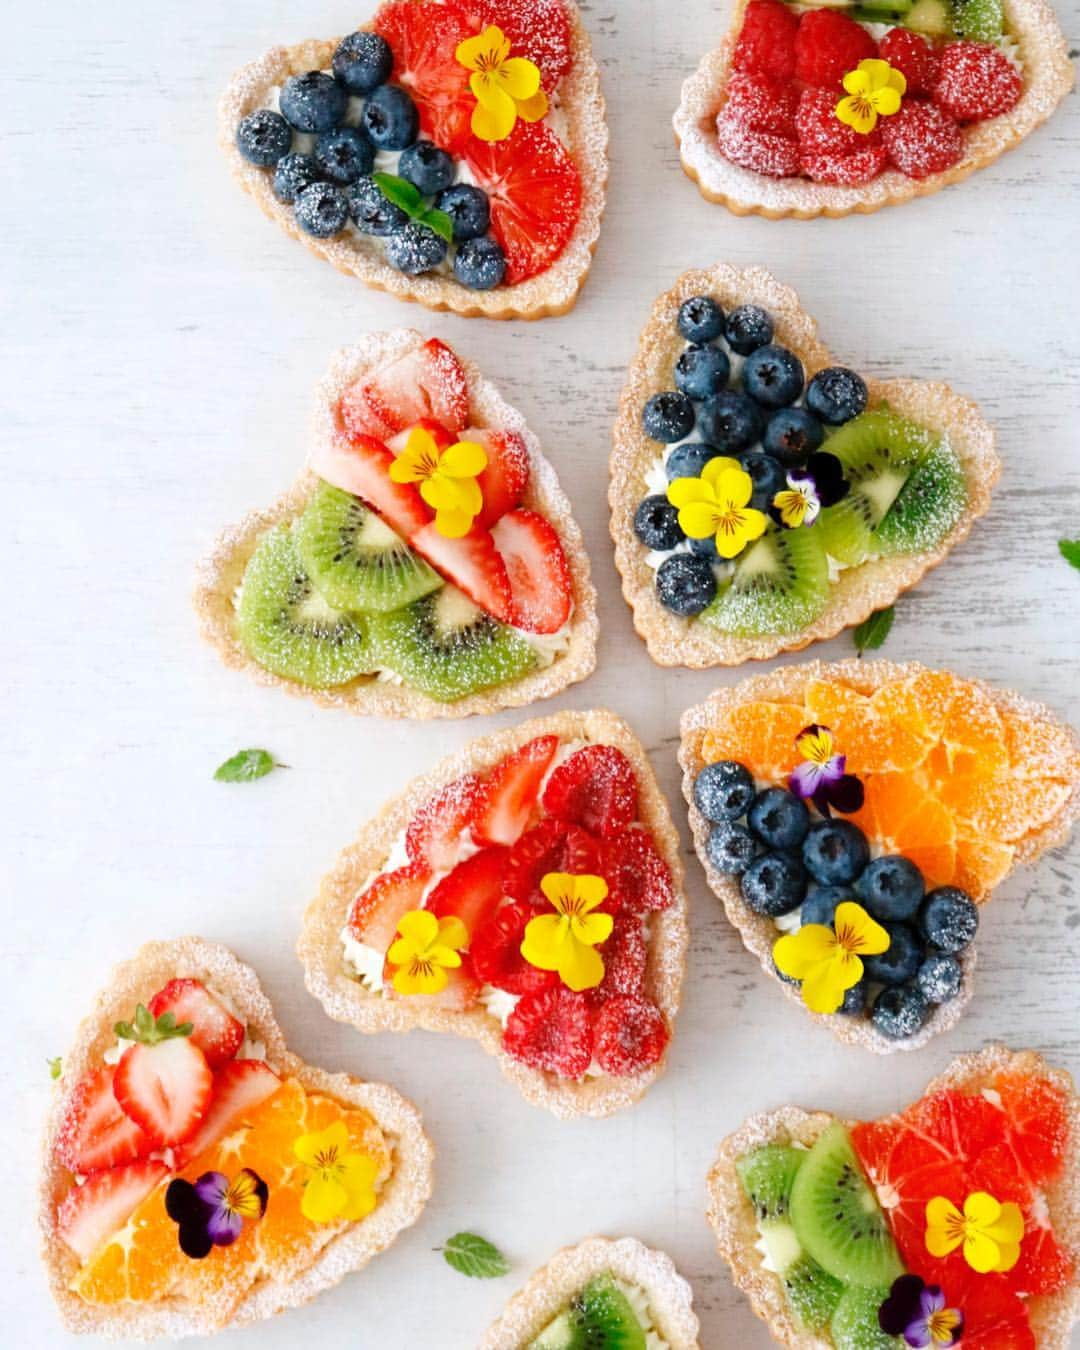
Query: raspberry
[[496, 953], [975, 81], [551, 846], [760, 103], [912, 56], [594, 788], [631, 1034], [551, 1030], [920, 139], [759, 151], [766, 43], [625, 958], [827, 46], [845, 170], [638, 878], [831, 152]]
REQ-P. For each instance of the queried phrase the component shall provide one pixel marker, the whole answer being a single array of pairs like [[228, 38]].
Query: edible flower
[[339, 1184], [874, 89], [565, 941], [447, 478], [426, 948], [820, 483], [820, 778], [505, 87], [717, 504], [989, 1231], [916, 1310], [827, 960], [210, 1211]]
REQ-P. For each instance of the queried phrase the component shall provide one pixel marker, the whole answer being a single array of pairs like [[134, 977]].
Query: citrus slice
[[1039, 749], [903, 817], [870, 740], [919, 704], [1005, 809], [760, 736], [1038, 1115], [973, 737], [980, 865]]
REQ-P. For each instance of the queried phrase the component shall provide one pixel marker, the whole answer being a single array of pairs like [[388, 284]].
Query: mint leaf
[[245, 766], [400, 191], [440, 222], [56, 1067], [475, 1256], [1070, 551], [873, 632]]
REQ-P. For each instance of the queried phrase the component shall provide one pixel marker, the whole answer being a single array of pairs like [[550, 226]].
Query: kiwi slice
[[605, 1318], [932, 17], [562, 1334], [287, 626], [780, 584], [446, 647], [767, 1175], [837, 1218], [355, 560], [855, 1323], [928, 507], [980, 20]]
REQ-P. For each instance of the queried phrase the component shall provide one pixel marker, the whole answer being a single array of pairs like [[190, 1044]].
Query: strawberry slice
[[461, 992], [361, 465], [639, 879], [216, 1032], [473, 890], [375, 913], [551, 846], [91, 1213], [510, 792], [239, 1086], [534, 190], [595, 788], [163, 1081], [424, 38], [94, 1132], [496, 952], [502, 484], [473, 564], [536, 565], [539, 30], [428, 381], [434, 833]]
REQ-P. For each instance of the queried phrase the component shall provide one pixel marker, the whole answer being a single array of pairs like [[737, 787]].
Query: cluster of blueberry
[[333, 184], [787, 860]]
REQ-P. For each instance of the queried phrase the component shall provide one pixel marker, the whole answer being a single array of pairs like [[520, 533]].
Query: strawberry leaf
[[1070, 551], [870, 634], [245, 766], [475, 1256]]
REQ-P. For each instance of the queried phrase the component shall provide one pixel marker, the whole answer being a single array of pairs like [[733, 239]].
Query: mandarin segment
[[973, 736], [903, 817], [1004, 808], [919, 704], [980, 865], [1040, 749], [759, 735], [870, 741]]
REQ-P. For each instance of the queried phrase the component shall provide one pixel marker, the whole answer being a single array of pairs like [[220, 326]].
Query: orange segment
[[759, 735], [1039, 749], [903, 817], [1004, 808], [980, 865], [973, 736], [920, 704], [871, 742]]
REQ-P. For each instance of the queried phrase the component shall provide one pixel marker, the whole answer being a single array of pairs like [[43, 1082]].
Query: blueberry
[[748, 328], [854, 1000], [363, 61], [821, 901], [724, 790], [836, 395], [774, 884], [939, 978], [773, 376], [731, 848], [835, 852], [779, 818], [344, 155], [426, 167], [685, 584], [668, 417], [390, 118], [480, 264], [371, 210], [949, 919], [702, 372], [468, 209], [700, 319], [792, 435], [415, 249], [321, 210], [656, 523], [705, 548], [891, 888], [293, 174], [263, 138], [688, 460], [313, 102], [899, 1011], [900, 961], [767, 475], [731, 422]]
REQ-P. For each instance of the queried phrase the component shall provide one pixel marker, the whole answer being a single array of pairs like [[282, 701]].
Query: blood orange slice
[[424, 38]]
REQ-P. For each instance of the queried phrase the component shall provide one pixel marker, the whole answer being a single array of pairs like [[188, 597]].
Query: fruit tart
[[954, 1222], [764, 497], [197, 1174], [452, 152], [854, 817], [425, 565], [825, 108], [527, 894], [602, 1292]]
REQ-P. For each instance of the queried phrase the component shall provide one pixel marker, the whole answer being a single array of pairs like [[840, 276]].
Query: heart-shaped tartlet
[[763, 497], [601, 1292], [956, 1221], [826, 109], [453, 152], [185, 1186], [853, 817], [527, 894], [426, 564]]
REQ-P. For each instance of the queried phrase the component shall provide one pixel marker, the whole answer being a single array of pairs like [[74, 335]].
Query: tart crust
[[552, 1287], [858, 591], [1048, 77], [759, 932], [401, 1199], [554, 291], [346, 1000], [732, 1217], [221, 572]]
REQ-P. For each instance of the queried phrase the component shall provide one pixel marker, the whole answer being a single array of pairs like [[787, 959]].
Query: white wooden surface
[[159, 347]]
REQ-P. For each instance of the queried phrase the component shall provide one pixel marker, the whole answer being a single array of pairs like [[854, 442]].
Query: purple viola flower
[[822, 777], [918, 1312], [818, 484], [210, 1212]]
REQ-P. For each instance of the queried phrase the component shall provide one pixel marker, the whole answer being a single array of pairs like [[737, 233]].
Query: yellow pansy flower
[[565, 941], [426, 948], [340, 1184], [717, 504], [990, 1231], [826, 960], [447, 478], [874, 90], [505, 87]]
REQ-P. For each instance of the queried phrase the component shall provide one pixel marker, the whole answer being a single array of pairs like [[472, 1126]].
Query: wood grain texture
[[160, 346]]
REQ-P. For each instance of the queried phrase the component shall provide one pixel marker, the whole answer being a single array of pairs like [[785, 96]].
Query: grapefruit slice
[[424, 39]]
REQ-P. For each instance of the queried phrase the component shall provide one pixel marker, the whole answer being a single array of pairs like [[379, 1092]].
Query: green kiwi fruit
[[446, 647], [932, 17], [561, 1334], [780, 585], [600, 1317], [287, 626], [767, 1175], [878, 452], [928, 507], [855, 1323]]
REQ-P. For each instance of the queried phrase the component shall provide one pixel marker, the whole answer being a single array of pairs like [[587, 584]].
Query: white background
[[159, 348]]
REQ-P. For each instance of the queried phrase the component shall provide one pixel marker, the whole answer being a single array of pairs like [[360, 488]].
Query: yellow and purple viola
[[822, 777], [919, 1312], [212, 1210], [817, 484]]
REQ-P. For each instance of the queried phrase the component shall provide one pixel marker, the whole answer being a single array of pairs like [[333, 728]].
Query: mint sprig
[[870, 634], [1070, 551], [408, 198], [475, 1257], [150, 1030], [245, 766]]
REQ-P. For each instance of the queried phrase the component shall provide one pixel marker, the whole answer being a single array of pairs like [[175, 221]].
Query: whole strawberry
[[162, 1082]]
